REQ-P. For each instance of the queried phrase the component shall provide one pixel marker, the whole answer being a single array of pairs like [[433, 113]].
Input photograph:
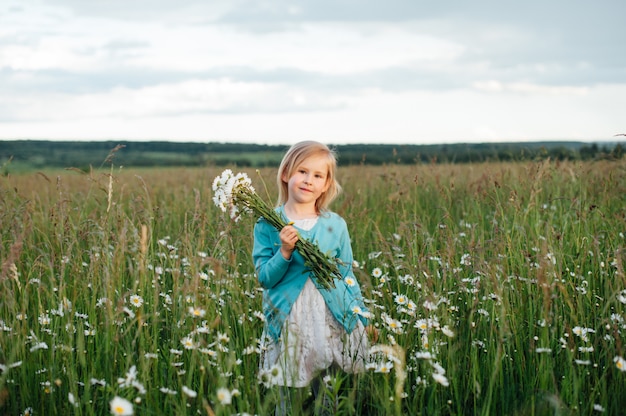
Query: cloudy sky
[[339, 71]]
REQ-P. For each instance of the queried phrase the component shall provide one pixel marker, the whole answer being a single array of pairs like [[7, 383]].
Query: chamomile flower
[[197, 312], [224, 396], [377, 273], [121, 407], [188, 343], [189, 392], [384, 367], [620, 363], [44, 319], [136, 300], [441, 379], [350, 281]]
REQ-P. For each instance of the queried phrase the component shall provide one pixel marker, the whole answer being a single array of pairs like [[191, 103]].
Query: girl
[[308, 329]]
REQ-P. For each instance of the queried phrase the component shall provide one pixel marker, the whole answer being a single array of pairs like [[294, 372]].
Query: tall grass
[[497, 289]]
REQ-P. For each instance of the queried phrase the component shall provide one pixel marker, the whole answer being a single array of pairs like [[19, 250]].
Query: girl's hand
[[372, 333], [288, 237]]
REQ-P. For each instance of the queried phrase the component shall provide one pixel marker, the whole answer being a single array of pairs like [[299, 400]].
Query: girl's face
[[308, 181]]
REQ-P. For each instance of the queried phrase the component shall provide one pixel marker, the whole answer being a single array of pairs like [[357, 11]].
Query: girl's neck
[[300, 212]]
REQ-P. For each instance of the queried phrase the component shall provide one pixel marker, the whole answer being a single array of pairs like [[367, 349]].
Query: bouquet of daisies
[[234, 193]]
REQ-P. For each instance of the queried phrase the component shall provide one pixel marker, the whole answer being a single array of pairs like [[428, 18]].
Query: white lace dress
[[312, 340]]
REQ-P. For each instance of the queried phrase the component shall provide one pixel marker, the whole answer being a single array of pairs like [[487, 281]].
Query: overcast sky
[[338, 71]]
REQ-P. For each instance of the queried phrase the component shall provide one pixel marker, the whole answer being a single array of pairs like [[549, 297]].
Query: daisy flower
[[441, 379], [224, 396], [197, 312], [401, 299], [136, 301], [121, 407], [188, 392], [188, 343]]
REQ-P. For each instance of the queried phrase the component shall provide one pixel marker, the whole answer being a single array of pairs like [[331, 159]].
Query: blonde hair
[[294, 157]]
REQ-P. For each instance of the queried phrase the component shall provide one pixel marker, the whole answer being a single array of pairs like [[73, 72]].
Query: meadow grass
[[497, 289]]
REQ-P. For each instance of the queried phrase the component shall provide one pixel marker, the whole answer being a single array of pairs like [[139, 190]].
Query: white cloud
[[411, 71]]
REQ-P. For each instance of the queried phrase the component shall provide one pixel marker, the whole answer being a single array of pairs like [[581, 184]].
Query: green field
[[497, 288]]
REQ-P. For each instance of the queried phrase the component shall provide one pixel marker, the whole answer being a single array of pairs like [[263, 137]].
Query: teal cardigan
[[283, 280]]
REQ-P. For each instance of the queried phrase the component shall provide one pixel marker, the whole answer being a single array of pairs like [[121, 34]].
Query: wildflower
[[166, 390], [136, 301], [44, 319], [424, 355], [620, 363], [197, 312], [441, 379], [393, 324], [598, 408], [429, 305], [39, 346], [447, 331], [384, 367], [259, 315], [96, 382], [224, 396], [121, 407], [371, 365], [101, 302], [265, 378], [350, 281], [401, 299], [188, 343], [582, 332], [72, 399], [377, 273], [188, 392]]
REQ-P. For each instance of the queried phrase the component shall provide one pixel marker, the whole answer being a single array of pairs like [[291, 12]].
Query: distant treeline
[[37, 154]]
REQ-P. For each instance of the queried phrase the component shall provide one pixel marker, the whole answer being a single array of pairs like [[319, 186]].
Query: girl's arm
[[269, 263]]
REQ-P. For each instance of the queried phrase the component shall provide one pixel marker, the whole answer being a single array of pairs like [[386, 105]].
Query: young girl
[[308, 329]]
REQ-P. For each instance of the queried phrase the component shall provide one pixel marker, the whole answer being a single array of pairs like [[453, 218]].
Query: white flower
[[188, 392], [384, 367], [39, 346], [350, 281], [441, 379], [401, 299], [121, 407], [224, 396], [197, 312], [188, 343], [447, 331], [620, 363], [136, 301]]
